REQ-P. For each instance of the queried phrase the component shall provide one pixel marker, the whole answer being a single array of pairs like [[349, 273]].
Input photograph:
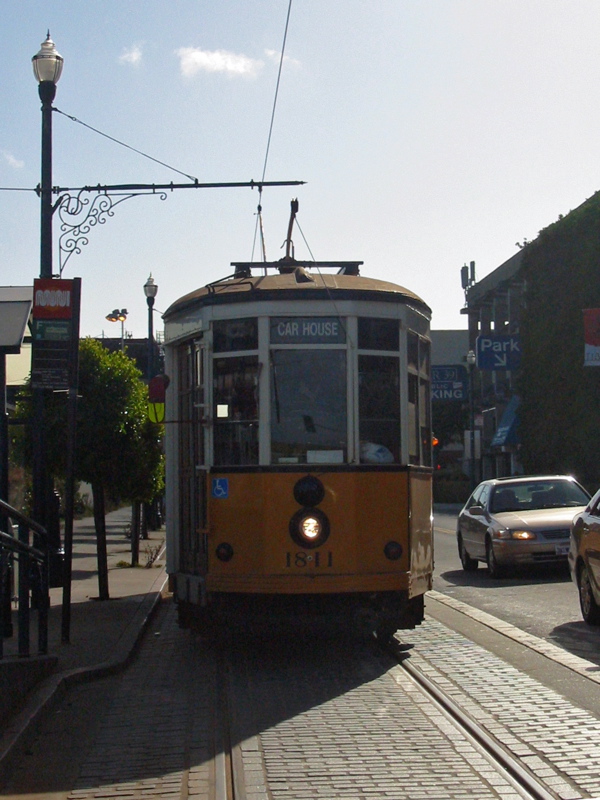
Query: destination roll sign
[[307, 330]]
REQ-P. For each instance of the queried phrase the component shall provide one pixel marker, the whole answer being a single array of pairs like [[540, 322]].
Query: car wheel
[[468, 564], [495, 570], [590, 610]]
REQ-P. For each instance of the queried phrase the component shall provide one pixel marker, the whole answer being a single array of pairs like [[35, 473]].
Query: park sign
[[591, 336], [55, 334], [498, 351]]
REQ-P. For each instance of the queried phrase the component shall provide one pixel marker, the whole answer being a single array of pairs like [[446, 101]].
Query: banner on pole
[[591, 335]]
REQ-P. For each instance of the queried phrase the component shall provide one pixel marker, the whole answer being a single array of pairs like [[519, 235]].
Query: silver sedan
[[515, 521]]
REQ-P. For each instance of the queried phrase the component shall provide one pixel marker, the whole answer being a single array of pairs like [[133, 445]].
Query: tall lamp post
[[119, 316], [471, 360], [47, 67], [150, 290]]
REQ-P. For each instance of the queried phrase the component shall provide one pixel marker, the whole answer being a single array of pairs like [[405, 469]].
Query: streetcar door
[[193, 507], [201, 415]]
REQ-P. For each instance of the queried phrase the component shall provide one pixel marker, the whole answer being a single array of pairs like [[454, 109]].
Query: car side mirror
[[477, 511]]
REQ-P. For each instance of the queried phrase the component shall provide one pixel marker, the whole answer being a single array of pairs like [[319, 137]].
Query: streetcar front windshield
[[308, 406]]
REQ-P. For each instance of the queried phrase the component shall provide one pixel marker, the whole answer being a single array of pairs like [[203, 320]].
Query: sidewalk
[[103, 634]]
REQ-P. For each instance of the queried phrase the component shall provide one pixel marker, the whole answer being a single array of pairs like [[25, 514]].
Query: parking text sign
[[498, 351]]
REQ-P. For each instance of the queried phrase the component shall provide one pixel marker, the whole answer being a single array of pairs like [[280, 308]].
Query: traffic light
[[157, 388]]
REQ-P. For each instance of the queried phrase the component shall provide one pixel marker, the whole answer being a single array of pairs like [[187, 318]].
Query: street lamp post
[[47, 67], [119, 316], [471, 360], [150, 290]]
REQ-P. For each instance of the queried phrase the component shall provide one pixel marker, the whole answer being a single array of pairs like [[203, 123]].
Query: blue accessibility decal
[[220, 488]]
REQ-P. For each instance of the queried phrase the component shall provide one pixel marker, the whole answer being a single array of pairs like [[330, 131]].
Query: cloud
[[12, 161], [193, 60], [132, 56], [274, 55]]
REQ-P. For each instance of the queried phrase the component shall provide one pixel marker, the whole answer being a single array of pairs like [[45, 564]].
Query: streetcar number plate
[[302, 559]]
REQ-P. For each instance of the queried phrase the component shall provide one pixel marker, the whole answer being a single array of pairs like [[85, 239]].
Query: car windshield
[[534, 495]]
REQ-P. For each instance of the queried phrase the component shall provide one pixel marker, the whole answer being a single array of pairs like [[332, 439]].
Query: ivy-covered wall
[[560, 398]]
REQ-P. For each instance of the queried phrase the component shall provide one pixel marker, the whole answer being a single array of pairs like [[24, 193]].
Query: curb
[[42, 700], [581, 666]]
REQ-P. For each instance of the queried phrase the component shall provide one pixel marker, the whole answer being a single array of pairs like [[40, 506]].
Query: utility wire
[[287, 22], [259, 225], [129, 147]]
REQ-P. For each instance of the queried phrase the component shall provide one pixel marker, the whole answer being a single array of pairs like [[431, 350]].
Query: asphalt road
[[540, 601]]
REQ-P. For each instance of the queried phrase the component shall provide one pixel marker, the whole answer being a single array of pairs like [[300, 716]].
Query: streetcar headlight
[[309, 527]]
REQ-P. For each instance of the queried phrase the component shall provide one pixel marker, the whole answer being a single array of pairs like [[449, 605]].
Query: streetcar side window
[[378, 334], [308, 406], [230, 335], [235, 400], [379, 409], [413, 419], [419, 400]]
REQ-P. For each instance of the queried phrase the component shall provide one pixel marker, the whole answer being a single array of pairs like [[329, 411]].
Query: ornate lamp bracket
[[78, 214]]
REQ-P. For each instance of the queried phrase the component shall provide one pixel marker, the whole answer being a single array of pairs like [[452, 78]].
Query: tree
[[560, 401], [118, 450]]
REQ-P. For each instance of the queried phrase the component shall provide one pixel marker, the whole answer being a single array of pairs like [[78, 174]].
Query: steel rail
[[229, 770], [518, 775]]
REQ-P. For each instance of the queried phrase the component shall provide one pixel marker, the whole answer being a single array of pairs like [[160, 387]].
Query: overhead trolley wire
[[128, 146], [259, 222]]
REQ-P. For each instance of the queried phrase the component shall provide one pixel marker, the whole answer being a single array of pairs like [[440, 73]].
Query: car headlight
[[506, 533], [523, 535]]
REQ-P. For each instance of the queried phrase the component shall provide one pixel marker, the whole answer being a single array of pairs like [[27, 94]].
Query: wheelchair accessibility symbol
[[220, 488]]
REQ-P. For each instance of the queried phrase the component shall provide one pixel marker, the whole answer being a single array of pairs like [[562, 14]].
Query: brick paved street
[[557, 741], [311, 718], [338, 720]]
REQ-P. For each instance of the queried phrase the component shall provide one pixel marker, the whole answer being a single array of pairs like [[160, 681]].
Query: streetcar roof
[[306, 280]]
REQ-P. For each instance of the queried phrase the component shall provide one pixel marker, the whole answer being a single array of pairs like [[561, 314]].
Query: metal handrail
[[19, 517], [10, 548]]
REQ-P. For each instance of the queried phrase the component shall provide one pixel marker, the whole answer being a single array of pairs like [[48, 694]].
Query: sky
[[430, 133]]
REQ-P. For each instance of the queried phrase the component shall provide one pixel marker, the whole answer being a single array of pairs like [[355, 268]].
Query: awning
[[15, 308], [507, 432]]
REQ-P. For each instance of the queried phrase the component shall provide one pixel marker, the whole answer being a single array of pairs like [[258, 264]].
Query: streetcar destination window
[[307, 330]]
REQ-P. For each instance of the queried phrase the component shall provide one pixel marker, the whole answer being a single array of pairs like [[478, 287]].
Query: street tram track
[[502, 760], [229, 774]]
